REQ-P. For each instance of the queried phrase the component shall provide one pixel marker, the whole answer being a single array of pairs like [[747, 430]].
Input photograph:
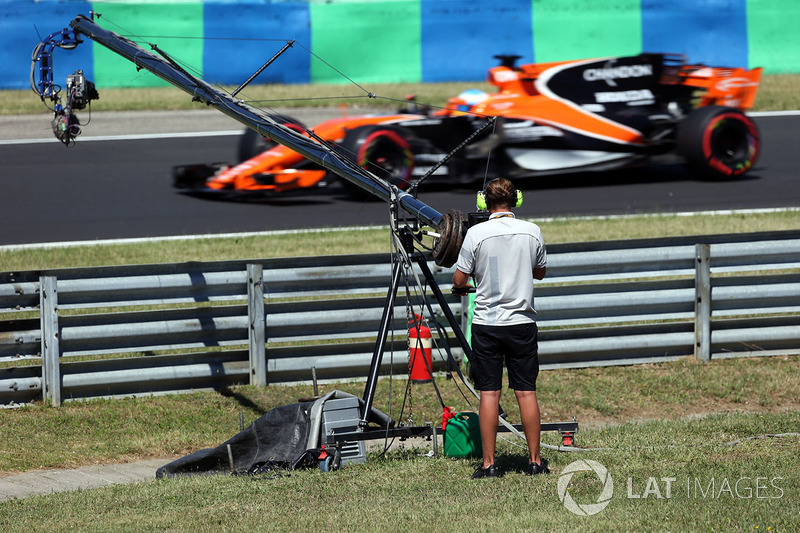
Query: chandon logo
[[609, 72]]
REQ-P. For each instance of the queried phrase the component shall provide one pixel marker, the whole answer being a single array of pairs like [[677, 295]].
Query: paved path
[[90, 477], [87, 477]]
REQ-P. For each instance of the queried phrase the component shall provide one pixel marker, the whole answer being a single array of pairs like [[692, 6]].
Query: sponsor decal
[[609, 73], [528, 130], [421, 122], [624, 96], [501, 107], [504, 76], [734, 83], [703, 72]]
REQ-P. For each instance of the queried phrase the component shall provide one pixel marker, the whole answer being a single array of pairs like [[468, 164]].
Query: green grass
[[670, 420], [313, 243], [80, 433], [776, 92], [317, 95], [405, 492]]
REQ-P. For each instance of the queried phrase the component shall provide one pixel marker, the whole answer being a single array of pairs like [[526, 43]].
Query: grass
[[776, 92], [81, 433], [698, 409], [405, 492], [283, 96], [317, 243]]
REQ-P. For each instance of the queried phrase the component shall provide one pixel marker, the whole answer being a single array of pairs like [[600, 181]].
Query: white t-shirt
[[501, 254]]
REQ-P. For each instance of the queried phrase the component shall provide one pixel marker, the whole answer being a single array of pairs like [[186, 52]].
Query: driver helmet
[[470, 98]]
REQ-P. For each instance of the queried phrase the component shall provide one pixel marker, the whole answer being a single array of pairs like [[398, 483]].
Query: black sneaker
[[536, 469], [490, 471]]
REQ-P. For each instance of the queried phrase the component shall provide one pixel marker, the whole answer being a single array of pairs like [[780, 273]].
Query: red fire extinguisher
[[419, 351]]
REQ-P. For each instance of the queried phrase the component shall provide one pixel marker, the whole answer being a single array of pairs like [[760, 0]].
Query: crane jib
[[254, 118]]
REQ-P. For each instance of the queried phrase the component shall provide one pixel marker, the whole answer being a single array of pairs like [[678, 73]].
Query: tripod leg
[[380, 343]]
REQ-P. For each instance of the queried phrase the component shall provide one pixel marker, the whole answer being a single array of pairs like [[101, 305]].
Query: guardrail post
[[257, 329], [51, 351], [702, 304]]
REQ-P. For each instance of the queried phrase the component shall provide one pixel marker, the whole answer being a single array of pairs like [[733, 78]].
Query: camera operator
[[504, 255]]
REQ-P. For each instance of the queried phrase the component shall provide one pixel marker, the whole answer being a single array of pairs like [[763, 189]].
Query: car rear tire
[[383, 150], [252, 143], [718, 142]]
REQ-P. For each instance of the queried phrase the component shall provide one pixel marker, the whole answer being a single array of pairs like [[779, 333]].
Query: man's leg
[[488, 413], [531, 422]]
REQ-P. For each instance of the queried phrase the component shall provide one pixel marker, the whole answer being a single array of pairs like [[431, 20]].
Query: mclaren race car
[[546, 118]]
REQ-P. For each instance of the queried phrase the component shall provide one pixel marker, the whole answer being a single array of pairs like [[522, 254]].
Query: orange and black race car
[[549, 118]]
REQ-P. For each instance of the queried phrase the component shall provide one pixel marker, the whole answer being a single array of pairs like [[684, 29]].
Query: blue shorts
[[516, 345]]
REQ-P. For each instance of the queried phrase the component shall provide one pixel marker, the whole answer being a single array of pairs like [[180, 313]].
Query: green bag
[[462, 436]]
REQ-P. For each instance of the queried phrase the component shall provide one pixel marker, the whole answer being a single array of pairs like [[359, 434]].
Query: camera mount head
[[79, 91]]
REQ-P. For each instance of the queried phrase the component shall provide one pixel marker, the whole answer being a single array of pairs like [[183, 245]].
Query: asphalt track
[[121, 188]]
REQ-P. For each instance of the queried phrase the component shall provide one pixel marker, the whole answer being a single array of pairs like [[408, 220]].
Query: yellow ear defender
[[482, 205]]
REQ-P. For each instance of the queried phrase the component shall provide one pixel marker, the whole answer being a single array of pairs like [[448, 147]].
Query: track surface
[[108, 189]]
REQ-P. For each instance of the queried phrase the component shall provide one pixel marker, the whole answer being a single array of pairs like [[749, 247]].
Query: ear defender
[[480, 201], [482, 205]]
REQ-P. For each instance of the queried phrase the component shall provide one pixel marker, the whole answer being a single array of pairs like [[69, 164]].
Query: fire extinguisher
[[419, 351]]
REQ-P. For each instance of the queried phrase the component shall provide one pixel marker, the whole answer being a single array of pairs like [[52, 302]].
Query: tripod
[[406, 238]]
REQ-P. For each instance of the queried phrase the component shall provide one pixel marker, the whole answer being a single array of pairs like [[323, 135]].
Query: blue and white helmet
[[471, 98]]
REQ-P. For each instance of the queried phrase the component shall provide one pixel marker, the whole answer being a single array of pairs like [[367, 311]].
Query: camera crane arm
[[254, 118], [448, 226]]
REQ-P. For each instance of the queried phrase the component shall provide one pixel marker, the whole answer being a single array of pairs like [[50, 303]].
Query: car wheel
[[383, 150], [718, 142], [252, 143]]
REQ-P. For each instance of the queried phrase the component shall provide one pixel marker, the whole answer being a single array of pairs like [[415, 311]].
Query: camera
[[80, 91], [477, 217]]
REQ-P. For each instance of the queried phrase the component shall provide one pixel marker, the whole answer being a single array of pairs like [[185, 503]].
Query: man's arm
[[460, 279], [539, 273]]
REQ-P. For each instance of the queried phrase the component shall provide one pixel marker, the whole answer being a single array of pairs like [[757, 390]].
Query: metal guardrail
[[110, 331]]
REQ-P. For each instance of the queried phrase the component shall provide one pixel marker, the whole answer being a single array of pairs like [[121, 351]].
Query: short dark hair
[[501, 191]]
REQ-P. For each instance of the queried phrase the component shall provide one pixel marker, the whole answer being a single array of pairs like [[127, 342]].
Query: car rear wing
[[731, 87]]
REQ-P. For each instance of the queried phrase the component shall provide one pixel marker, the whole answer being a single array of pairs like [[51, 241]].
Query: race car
[[547, 118]]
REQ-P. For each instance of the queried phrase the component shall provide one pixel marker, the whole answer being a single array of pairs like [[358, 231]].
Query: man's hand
[[461, 291]]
